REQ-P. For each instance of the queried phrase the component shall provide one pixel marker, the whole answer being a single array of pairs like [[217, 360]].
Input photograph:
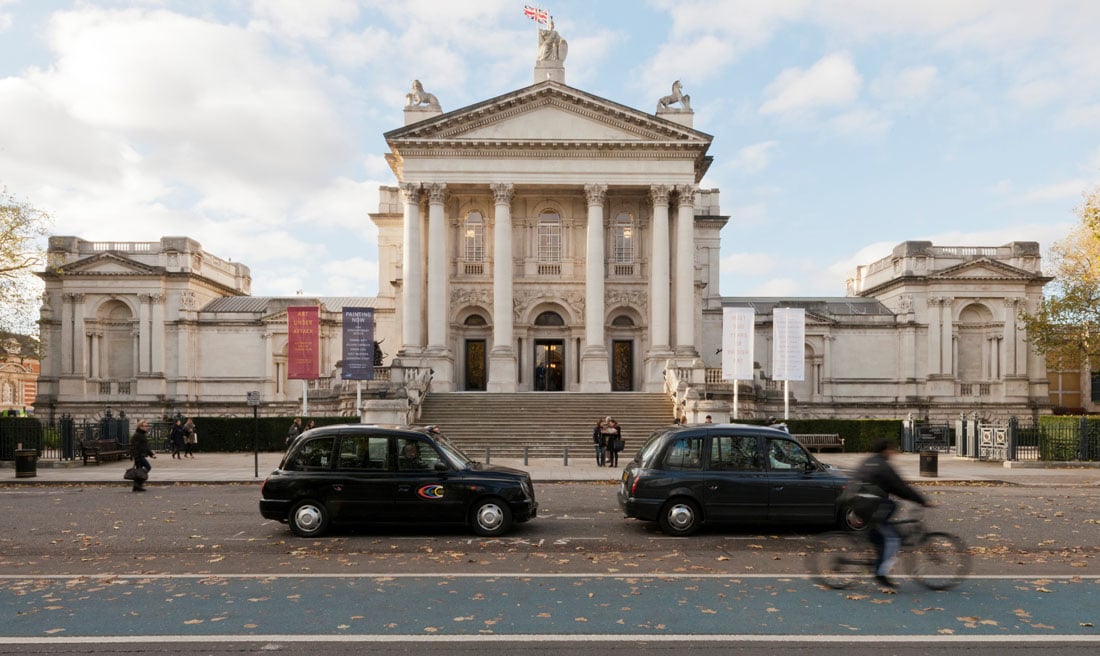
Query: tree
[[20, 226], [1066, 326]]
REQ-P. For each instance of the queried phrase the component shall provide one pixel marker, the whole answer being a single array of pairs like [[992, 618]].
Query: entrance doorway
[[622, 365], [475, 365], [549, 365]]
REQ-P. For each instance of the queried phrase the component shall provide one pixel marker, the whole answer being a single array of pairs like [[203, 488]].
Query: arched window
[[623, 239], [7, 393], [549, 319], [549, 234], [622, 321], [474, 238], [475, 320]]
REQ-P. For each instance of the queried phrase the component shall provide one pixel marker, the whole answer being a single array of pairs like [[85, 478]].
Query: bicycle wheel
[[837, 559], [939, 561]]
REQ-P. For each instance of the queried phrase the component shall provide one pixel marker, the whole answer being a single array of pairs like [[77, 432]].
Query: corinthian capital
[[502, 192], [410, 191], [437, 192], [687, 194], [659, 194], [595, 193]]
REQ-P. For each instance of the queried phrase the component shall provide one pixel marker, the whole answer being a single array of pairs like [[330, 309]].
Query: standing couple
[[607, 436]]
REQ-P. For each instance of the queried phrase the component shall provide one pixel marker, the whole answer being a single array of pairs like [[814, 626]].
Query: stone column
[[79, 363], [684, 280], [411, 306], [949, 353], [1011, 356], [935, 333], [659, 317], [94, 340], [502, 359], [68, 338], [156, 334], [594, 365], [437, 268]]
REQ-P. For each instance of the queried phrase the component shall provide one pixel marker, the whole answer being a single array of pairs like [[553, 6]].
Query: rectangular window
[[364, 452], [475, 242], [685, 453], [735, 452], [549, 242]]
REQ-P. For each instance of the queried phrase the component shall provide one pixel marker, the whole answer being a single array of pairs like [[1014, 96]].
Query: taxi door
[[423, 493]]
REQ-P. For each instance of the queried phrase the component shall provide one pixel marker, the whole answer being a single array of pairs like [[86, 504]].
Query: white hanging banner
[[738, 329], [788, 344]]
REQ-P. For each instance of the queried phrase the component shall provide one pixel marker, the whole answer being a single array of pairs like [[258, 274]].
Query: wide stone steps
[[546, 423]]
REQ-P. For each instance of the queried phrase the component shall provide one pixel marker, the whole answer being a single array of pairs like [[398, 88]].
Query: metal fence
[[60, 439], [1050, 442]]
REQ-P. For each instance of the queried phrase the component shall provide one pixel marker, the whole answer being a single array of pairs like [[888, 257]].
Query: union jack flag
[[536, 14]]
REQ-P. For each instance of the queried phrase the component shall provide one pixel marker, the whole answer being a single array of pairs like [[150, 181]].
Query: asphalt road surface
[[195, 569]]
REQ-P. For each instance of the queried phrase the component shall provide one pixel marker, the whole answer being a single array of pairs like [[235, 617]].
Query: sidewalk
[[244, 467]]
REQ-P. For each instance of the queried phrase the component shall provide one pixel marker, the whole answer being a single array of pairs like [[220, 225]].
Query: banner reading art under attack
[[358, 340], [303, 343]]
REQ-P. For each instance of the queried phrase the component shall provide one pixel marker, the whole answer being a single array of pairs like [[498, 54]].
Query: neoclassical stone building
[[545, 240]]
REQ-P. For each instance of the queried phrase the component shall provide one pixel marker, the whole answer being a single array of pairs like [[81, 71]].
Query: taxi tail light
[[634, 484]]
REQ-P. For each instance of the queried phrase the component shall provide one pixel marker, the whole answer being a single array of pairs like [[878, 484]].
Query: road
[[196, 565]]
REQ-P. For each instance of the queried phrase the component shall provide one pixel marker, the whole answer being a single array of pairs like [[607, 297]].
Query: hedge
[[231, 434], [858, 434]]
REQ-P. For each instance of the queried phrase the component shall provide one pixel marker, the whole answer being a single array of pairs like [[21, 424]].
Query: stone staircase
[[544, 422]]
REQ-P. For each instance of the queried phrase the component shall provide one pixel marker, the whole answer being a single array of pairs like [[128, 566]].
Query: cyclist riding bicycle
[[880, 477]]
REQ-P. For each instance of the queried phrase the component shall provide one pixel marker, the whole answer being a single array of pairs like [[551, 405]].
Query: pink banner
[[303, 346]]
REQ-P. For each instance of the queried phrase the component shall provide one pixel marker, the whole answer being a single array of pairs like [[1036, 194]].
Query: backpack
[[863, 498]]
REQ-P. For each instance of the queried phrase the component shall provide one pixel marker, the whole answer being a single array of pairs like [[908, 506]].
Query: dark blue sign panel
[[358, 344]]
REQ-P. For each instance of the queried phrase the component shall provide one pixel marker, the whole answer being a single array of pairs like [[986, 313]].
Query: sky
[[841, 127]]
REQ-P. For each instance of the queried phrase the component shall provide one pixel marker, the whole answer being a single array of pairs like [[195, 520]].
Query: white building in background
[[545, 240]]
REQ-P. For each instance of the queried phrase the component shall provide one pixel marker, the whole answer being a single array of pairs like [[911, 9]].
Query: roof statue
[[419, 97], [677, 96], [552, 47]]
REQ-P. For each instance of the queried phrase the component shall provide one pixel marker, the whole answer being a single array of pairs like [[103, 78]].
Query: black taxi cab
[[684, 476], [365, 474]]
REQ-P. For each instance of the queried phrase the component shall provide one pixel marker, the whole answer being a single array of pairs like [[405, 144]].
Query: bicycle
[[937, 560]]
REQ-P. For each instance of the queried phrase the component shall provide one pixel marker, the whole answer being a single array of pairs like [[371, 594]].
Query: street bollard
[[524, 456], [565, 457], [486, 455]]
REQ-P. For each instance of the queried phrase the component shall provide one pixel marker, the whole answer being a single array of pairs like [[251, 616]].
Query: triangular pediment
[[983, 268], [109, 264], [549, 112]]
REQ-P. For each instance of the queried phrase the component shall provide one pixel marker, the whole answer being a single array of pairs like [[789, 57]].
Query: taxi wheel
[[680, 517], [491, 517], [308, 519], [848, 520]]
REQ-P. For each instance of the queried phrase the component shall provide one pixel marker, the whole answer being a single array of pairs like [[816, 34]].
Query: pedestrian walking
[[190, 438], [176, 438], [140, 452], [600, 440]]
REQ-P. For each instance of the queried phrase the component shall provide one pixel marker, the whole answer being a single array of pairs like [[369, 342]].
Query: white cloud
[[831, 82], [1068, 189], [778, 287], [350, 277], [296, 19], [754, 158], [907, 86], [749, 264]]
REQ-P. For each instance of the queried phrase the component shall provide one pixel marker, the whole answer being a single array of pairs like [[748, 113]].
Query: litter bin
[[929, 464], [26, 463]]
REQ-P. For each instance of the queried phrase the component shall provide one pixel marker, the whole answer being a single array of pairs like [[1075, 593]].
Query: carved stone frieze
[[187, 299], [466, 296], [634, 298]]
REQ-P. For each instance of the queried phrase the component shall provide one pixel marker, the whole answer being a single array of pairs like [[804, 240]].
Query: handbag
[[136, 474]]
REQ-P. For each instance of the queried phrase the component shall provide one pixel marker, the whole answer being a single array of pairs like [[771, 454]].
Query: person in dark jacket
[[600, 441], [140, 452], [615, 443], [876, 471], [176, 439]]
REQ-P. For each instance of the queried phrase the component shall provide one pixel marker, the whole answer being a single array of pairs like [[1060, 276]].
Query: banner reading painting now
[[788, 344], [303, 342], [358, 347], [738, 333]]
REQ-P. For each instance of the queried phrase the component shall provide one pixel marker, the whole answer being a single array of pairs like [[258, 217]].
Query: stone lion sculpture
[[419, 97], [677, 96]]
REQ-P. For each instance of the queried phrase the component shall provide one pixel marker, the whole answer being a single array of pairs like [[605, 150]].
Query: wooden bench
[[101, 450], [821, 441]]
